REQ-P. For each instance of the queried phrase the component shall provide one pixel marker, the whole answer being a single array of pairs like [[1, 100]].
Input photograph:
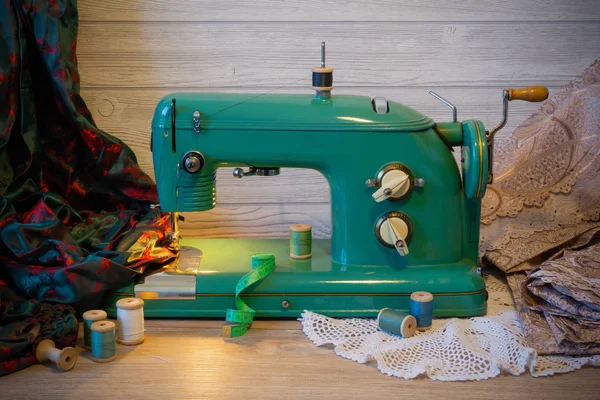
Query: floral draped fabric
[[75, 215]]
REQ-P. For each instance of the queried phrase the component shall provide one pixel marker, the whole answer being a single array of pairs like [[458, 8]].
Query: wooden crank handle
[[532, 94]]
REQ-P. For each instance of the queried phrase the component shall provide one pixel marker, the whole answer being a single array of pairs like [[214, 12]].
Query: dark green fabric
[[75, 216], [23, 325]]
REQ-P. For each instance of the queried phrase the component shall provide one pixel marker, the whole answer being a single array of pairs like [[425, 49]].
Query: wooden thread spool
[[397, 322], [130, 321], [103, 341], [89, 317], [322, 77], [421, 307], [64, 359], [301, 241]]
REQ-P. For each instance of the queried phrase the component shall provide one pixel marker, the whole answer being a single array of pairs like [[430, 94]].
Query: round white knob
[[394, 184], [394, 231]]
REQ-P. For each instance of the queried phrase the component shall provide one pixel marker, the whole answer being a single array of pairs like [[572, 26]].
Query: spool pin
[[397, 322], [322, 77], [89, 317], [103, 341], [64, 359], [300, 241], [130, 321]]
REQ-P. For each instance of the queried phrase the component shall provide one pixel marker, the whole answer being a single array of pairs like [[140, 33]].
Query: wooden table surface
[[274, 360]]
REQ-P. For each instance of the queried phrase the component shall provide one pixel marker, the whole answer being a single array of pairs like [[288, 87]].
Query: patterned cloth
[[541, 219], [560, 303], [23, 325], [75, 218]]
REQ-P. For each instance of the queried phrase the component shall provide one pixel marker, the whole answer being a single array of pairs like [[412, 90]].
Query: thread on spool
[[103, 341], [64, 359], [397, 322], [421, 307], [130, 321], [322, 78], [301, 241], [89, 317]]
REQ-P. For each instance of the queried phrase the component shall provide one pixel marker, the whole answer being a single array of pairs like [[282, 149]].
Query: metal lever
[[399, 242], [240, 173], [385, 192], [258, 171], [446, 102], [533, 94]]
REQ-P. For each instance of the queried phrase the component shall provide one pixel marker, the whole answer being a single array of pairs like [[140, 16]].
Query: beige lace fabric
[[546, 190], [542, 214]]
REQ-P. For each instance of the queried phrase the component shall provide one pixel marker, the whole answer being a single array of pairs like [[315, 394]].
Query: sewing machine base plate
[[316, 284]]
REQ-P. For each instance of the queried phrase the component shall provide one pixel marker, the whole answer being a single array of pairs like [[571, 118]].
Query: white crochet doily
[[452, 350]]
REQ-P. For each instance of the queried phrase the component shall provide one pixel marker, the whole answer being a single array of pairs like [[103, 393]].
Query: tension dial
[[394, 182], [394, 229]]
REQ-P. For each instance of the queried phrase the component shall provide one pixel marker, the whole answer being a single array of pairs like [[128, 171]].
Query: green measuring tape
[[263, 264]]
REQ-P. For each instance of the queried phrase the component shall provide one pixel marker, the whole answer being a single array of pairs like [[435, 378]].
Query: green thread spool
[[397, 322], [103, 341], [89, 317], [301, 241], [239, 319]]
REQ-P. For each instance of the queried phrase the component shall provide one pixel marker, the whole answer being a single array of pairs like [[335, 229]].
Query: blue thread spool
[[89, 317], [397, 322], [421, 307], [103, 341]]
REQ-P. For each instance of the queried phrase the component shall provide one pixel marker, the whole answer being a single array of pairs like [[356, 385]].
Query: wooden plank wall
[[133, 52]]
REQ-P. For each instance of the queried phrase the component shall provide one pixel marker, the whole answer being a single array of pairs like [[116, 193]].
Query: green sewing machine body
[[316, 284], [357, 272]]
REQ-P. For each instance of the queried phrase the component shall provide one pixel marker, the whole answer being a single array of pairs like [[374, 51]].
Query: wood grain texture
[[127, 114], [132, 53], [350, 10], [267, 55], [273, 361], [257, 220]]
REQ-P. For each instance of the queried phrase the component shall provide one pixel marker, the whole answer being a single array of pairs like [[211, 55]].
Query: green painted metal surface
[[350, 146], [475, 159], [348, 142], [317, 284], [284, 112], [452, 132]]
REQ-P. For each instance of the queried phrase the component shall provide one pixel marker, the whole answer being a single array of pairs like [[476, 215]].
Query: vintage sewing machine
[[403, 216]]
